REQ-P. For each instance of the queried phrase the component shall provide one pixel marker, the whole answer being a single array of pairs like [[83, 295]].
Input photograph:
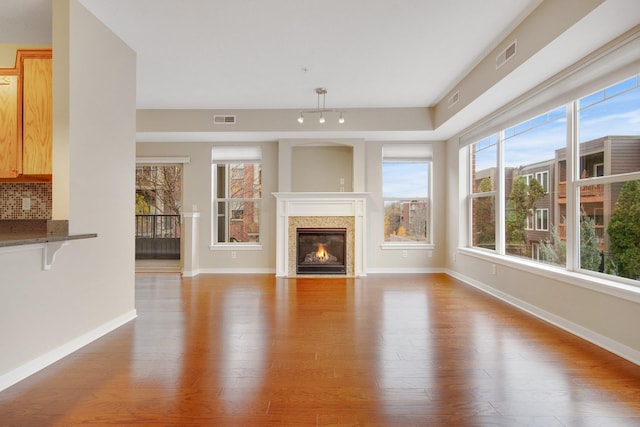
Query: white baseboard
[[190, 273], [30, 368], [405, 270], [593, 337], [237, 271]]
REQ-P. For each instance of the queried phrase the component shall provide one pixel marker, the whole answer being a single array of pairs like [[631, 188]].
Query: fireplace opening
[[321, 250]]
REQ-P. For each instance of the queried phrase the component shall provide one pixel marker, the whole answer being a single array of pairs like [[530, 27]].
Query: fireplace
[[332, 211], [321, 251]]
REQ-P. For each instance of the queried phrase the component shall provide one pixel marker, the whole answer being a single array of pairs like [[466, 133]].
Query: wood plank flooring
[[397, 350]]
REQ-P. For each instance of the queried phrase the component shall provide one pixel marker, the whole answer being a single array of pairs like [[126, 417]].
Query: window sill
[[236, 247], [405, 246], [597, 284]]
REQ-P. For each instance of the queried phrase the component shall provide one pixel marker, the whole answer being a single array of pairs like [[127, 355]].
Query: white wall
[[322, 168], [90, 289]]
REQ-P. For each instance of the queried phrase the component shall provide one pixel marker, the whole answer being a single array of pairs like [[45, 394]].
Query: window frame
[[409, 153], [543, 182], [227, 156], [544, 218]]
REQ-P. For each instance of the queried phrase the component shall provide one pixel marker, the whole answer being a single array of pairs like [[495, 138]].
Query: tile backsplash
[[39, 195]]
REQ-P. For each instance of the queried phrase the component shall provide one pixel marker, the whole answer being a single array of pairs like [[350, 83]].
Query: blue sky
[[617, 115], [405, 179]]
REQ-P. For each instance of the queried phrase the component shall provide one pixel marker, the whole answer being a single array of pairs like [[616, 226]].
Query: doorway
[[158, 217]]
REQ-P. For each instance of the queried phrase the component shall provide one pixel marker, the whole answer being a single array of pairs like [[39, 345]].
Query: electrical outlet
[[494, 270], [429, 254], [404, 254], [233, 255], [26, 204]]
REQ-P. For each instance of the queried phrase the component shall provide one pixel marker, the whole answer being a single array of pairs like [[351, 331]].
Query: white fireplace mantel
[[299, 204]]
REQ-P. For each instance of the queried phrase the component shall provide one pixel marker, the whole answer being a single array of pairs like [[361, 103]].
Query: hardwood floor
[[401, 350]]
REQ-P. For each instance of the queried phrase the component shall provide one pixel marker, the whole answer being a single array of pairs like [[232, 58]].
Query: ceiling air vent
[[453, 99], [506, 54], [224, 120]]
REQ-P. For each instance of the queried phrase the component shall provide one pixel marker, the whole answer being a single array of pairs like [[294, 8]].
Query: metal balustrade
[[157, 236]]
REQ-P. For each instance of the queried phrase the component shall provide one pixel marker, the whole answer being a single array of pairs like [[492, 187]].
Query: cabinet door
[[37, 116], [10, 148]]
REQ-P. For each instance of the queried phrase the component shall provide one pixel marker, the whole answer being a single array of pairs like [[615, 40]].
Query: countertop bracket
[[49, 253]]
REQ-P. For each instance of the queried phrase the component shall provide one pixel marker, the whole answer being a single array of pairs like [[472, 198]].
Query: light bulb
[[321, 119], [300, 119], [341, 119]]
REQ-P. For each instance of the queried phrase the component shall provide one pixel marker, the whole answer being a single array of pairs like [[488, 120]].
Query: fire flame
[[321, 253]]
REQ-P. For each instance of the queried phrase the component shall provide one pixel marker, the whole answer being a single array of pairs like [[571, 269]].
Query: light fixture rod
[[320, 91]]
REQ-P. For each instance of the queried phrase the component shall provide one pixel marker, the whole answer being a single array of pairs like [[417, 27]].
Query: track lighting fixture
[[321, 111]]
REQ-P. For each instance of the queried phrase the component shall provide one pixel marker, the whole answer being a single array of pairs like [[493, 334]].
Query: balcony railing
[[157, 236], [599, 231], [158, 226], [586, 191]]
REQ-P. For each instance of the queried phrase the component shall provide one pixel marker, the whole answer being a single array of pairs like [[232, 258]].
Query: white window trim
[[542, 211], [418, 153], [543, 182], [530, 223], [231, 155]]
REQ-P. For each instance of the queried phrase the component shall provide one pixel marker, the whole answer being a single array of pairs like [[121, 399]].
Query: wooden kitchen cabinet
[[10, 144], [37, 112], [26, 117]]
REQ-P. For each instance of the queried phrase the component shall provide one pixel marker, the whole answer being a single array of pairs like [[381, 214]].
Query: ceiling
[[272, 54]]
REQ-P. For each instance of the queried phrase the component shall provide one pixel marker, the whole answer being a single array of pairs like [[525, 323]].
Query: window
[[543, 179], [406, 193], [610, 211], [530, 149], [237, 194], [535, 254], [542, 219], [529, 223], [567, 198], [484, 173]]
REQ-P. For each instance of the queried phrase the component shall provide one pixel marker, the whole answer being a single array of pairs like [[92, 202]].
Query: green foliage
[[624, 233], [391, 219], [522, 200], [484, 216], [142, 204], [589, 245], [555, 250]]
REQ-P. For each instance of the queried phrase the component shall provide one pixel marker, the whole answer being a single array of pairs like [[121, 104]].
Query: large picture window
[[237, 194], [406, 192], [568, 188]]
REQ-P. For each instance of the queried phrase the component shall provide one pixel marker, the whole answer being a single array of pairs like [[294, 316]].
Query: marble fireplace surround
[[321, 210]]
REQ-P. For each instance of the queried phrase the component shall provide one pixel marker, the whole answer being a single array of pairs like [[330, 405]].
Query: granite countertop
[[16, 232]]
